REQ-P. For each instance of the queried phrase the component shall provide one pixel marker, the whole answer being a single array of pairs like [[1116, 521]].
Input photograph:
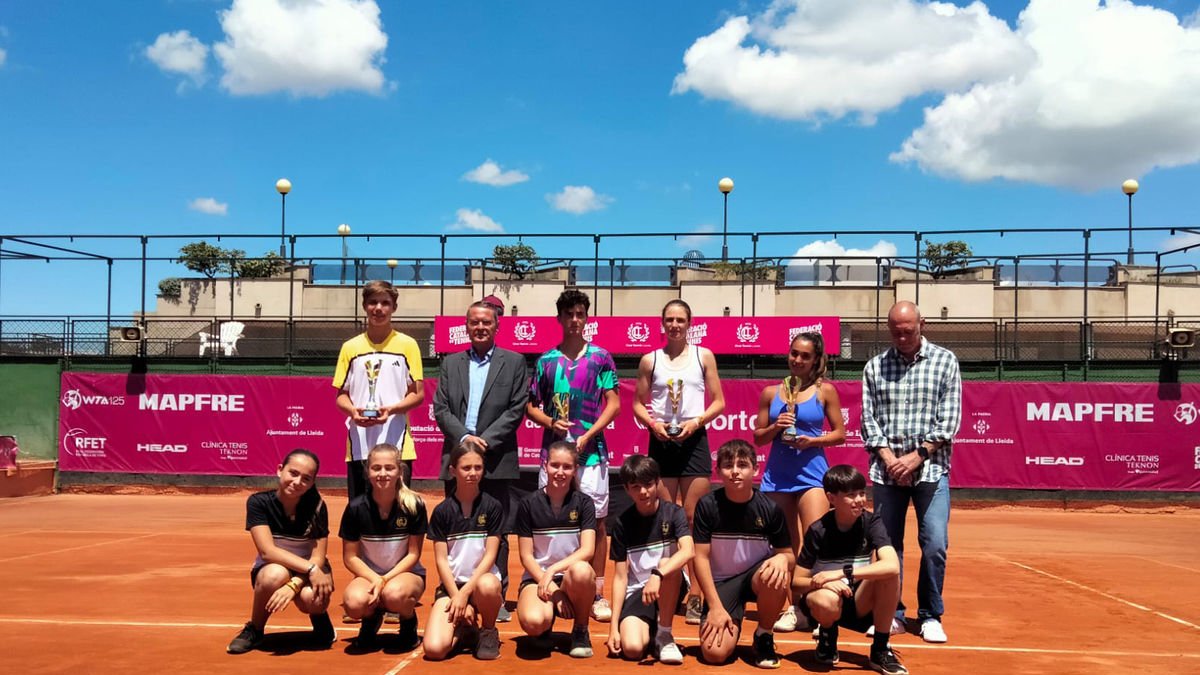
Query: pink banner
[[1014, 435], [640, 334]]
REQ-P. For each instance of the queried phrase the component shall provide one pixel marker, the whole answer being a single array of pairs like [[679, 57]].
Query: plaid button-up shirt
[[906, 404]]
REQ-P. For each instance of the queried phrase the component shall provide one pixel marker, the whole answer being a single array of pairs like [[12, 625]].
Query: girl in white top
[[672, 387]]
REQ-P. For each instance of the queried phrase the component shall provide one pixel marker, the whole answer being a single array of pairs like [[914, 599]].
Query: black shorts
[[735, 592], [849, 618], [254, 572], [525, 582], [633, 606], [682, 460]]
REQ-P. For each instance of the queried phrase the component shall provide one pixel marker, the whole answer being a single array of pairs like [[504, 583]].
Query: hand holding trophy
[[562, 411], [674, 400], [789, 390], [371, 409]]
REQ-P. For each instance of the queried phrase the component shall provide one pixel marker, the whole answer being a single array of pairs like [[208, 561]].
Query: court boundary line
[[1110, 596], [78, 548], [515, 634], [406, 661]]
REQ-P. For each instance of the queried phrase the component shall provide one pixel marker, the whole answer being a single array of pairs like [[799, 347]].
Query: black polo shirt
[[296, 535], [741, 535], [466, 537], [383, 542], [828, 548], [555, 535], [646, 540]]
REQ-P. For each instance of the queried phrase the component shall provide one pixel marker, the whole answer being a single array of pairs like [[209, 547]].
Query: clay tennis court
[[159, 583]]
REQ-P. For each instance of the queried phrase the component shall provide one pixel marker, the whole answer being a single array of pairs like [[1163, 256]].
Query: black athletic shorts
[[849, 618], [735, 592], [682, 460], [633, 606]]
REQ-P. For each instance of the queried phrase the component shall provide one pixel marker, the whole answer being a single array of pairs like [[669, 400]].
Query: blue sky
[[616, 117]]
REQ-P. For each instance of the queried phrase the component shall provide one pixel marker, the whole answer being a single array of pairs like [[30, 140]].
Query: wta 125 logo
[[73, 399], [1186, 413]]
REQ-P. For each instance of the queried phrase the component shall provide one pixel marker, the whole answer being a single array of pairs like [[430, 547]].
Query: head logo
[[638, 332], [72, 399], [747, 332], [295, 419], [981, 427], [1186, 413], [524, 331]]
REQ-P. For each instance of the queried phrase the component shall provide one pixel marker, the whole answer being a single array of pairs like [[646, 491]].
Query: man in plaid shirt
[[912, 406]]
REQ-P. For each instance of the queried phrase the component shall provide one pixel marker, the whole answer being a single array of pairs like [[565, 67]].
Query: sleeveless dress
[[690, 458], [789, 469]]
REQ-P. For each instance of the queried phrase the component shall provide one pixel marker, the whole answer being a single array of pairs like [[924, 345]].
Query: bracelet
[[311, 567], [655, 572], [294, 585]]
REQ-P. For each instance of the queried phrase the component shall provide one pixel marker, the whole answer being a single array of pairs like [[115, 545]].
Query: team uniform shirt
[[826, 547], [383, 542], [741, 535], [297, 535], [555, 535], [905, 404], [466, 537], [398, 360], [585, 380], [647, 540]]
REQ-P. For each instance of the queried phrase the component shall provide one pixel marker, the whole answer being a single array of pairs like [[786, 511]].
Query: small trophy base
[[788, 435], [674, 430], [370, 414]]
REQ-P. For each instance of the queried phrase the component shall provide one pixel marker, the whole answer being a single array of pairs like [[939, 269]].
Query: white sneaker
[[787, 621], [897, 628], [601, 611], [932, 631], [669, 654]]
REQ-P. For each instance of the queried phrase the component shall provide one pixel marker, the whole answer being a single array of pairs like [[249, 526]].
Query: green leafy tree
[[516, 260], [747, 269], [204, 258], [269, 265], [944, 257], [171, 287]]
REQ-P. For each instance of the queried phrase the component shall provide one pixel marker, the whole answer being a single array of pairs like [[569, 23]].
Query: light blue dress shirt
[[477, 370]]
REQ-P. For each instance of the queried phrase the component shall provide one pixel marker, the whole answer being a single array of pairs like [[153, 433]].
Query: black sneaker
[[488, 648], [544, 641], [368, 629], [827, 648], [248, 639], [408, 634], [323, 635], [885, 661], [581, 643], [765, 655]]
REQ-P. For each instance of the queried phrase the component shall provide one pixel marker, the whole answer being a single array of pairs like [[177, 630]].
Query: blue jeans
[[932, 502]]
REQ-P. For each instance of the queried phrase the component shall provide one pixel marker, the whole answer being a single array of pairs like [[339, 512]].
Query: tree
[[203, 257], [516, 260], [170, 287], [260, 268], [746, 269], [942, 258]]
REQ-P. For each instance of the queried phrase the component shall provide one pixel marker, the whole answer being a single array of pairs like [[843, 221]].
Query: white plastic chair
[[226, 341]]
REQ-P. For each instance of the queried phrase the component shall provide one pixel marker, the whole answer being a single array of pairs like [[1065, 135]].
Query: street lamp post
[[1130, 188], [725, 185], [283, 186], [344, 230], [392, 263]]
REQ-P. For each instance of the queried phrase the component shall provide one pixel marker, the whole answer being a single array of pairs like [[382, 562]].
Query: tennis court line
[[684, 639], [406, 662], [1110, 596], [77, 548]]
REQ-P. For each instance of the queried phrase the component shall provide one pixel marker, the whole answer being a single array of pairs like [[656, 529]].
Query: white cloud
[[180, 53], [490, 173], [817, 250], [303, 47], [3, 57], [209, 205], [1179, 241], [578, 199], [1080, 94], [475, 220], [1115, 93], [813, 59], [699, 237]]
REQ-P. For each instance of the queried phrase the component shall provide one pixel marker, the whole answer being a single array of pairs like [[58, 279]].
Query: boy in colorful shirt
[[573, 396]]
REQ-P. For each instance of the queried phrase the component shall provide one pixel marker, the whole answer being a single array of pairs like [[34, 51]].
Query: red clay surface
[[158, 583]]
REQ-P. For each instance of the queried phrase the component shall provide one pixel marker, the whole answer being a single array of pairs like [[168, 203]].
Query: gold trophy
[[371, 409], [562, 410], [674, 398], [788, 391]]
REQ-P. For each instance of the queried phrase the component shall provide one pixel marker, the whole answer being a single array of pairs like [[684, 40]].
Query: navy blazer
[[501, 410]]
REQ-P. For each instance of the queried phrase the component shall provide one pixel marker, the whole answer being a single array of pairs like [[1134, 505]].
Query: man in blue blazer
[[480, 400]]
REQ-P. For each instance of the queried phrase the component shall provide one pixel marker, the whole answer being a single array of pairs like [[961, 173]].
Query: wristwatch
[[848, 572], [923, 452]]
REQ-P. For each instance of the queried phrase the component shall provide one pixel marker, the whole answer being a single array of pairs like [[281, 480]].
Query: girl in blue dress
[[796, 462]]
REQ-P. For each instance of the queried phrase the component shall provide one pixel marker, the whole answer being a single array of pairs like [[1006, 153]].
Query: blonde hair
[[409, 500]]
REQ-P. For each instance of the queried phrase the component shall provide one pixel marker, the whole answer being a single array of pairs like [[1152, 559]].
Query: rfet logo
[[524, 331], [1186, 413], [79, 443], [638, 331], [747, 332]]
